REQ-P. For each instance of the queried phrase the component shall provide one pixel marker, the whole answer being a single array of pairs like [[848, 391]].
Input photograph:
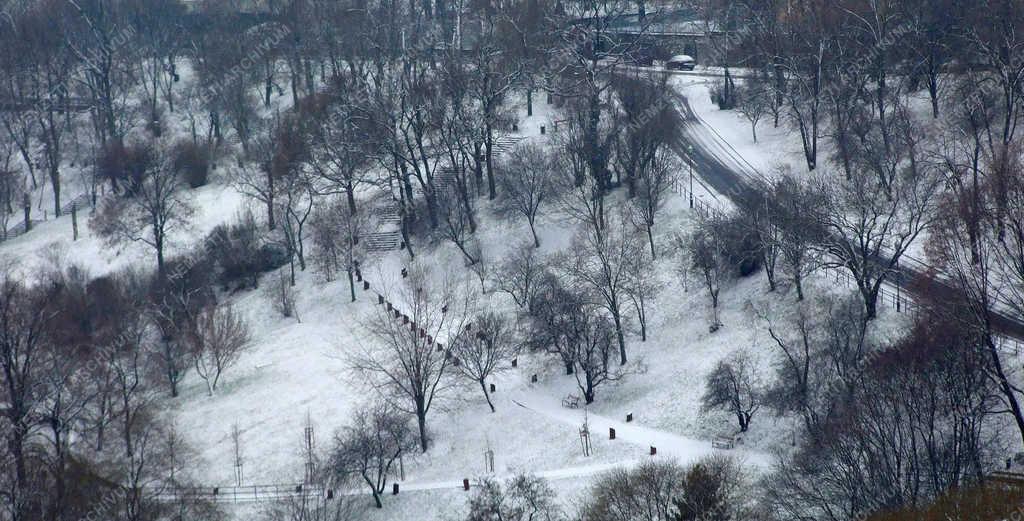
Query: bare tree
[[219, 339], [409, 364], [486, 350], [148, 214], [336, 247], [521, 498], [652, 186], [24, 314], [369, 448], [281, 293], [708, 257], [601, 263], [340, 145], [174, 306], [753, 103], [527, 183], [868, 227], [456, 224], [646, 493], [12, 192], [642, 285], [647, 124], [734, 385], [797, 233], [567, 323], [520, 274]]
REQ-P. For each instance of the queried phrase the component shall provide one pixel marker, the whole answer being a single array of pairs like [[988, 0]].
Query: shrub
[[192, 162], [239, 254], [740, 245], [125, 166], [282, 296], [646, 492]]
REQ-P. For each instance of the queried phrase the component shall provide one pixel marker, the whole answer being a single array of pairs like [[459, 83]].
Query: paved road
[[725, 170]]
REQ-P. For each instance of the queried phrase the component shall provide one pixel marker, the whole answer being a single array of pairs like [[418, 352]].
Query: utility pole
[[689, 158]]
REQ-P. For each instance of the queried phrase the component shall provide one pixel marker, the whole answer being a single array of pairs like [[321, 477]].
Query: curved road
[[724, 170]]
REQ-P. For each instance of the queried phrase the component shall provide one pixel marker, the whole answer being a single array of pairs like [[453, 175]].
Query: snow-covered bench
[[572, 401], [723, 442]]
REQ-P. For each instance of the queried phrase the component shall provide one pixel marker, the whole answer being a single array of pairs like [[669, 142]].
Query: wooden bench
[[722, 442], [572, 401]]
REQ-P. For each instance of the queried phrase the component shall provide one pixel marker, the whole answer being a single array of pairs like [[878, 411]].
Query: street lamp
[[689, 156], [899, 280]]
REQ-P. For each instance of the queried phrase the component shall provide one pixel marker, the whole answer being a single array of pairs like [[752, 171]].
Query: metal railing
[[245, 493]]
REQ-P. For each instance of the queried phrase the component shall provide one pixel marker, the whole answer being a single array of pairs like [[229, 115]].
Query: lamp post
[[689, 156], [899, 279]]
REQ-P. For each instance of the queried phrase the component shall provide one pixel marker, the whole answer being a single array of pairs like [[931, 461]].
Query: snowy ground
[[297, 369]]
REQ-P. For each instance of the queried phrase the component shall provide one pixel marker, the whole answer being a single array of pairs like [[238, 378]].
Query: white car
[[681, 62]]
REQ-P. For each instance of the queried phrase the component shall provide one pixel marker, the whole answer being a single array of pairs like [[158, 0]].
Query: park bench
[[572, 401], [722, 442]]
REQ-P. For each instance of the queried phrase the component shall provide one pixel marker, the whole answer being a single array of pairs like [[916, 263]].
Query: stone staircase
[[19, 228]]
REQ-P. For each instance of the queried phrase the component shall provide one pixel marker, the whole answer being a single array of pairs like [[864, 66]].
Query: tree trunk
[[351, 285], [373, 490], [487, 395], [159, 242], [421, 421], [492, 191], [1005, 387], [650, 239], [618, 334]]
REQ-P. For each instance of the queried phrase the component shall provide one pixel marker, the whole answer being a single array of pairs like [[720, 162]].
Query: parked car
[[681, 62]]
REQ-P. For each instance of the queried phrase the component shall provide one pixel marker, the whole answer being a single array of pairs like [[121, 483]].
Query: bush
[[192, 162], [646, 492], [125, 166], [711, 491], [239, 255], [522, 498], [282, 296], [740, 245]]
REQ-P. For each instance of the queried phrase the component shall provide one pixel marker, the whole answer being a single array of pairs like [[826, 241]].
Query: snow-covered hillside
[[298, 369]]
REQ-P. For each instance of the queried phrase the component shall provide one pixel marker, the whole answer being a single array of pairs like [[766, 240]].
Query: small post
[[380, 300], [611, 433], [629, 417], [542, 130], [515, 362], [74, 220], [394, 489], [689, 149], [492, 388], [654, 450], [465, 484], [366, 285]]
